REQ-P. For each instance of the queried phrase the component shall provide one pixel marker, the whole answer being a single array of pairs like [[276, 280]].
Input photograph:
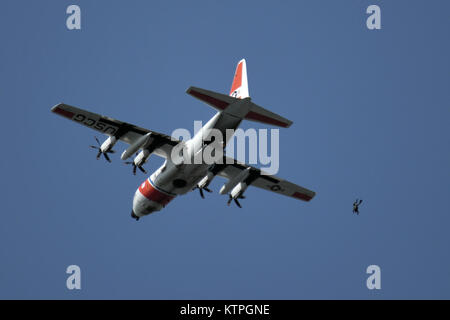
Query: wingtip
[[289, 124], [188, 90], [63, 110], [55, 107]]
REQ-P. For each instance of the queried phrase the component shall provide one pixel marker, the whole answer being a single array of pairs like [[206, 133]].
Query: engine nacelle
[[235, 181], [108, 144], [204, 183], [238, 190], [141, 142], [142, 157]]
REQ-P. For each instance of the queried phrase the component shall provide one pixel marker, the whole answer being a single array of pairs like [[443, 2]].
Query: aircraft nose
[[134, 216], [143, 206]]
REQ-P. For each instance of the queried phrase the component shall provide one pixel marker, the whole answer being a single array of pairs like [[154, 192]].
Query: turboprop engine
[[237, 193], [105, 147], [141, 157], [204, 183], [238, 190], [236, 186], [139, 160]]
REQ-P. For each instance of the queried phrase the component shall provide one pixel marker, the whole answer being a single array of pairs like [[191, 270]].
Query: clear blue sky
[[371, 119]]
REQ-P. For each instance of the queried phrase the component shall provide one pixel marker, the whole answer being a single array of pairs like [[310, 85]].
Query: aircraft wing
[[123, 131], [263, 181]]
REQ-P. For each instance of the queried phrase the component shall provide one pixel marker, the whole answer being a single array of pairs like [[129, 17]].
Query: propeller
[[100, 152], [235, 200], [140, 167], [201, 191]]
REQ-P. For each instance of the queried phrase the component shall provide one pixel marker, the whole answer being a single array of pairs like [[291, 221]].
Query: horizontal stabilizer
[[221, 102], [214, 99], [260, 114], [238, 103]]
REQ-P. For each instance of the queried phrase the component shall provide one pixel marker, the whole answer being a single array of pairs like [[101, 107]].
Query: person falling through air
[[356, 206]]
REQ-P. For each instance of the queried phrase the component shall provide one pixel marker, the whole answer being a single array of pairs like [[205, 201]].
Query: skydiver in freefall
[[356, 206]]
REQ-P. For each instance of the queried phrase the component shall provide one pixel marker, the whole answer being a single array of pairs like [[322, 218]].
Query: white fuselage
[[173, 179]]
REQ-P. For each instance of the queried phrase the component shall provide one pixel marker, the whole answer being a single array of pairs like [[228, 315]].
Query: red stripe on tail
[[237, 81]]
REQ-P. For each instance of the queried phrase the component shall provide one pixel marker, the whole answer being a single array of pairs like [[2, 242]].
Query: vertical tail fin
[[239, 88], [236, 103]]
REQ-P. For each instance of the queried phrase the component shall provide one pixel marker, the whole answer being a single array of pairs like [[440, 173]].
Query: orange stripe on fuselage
[[237, 81], [151, 193]]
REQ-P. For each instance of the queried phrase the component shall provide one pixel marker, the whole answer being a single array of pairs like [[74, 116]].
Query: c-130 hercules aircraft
[[173, 179]]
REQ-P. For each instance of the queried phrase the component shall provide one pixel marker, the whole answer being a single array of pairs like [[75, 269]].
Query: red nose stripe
[[148, 191]]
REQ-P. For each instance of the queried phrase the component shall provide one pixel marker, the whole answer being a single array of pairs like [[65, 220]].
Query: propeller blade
[[201, 193], [98, 142], [135, 167], [207, 190], [237, 202], [229, 201], [106, 157], [99, 154], [111, 151], [142, 169], [94, 147]]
